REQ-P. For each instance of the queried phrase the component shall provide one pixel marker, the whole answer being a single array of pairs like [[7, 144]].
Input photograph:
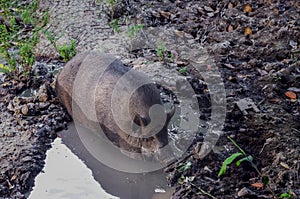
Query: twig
[[203, 192], [237, 146]]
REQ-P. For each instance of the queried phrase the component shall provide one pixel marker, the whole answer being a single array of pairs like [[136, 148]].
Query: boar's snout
[[157, 140]]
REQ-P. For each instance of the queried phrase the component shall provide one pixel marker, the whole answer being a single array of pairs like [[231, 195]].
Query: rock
[[210, 14], [246, 104], [43, 97], [294, 89], [24, 109], [43, 105], [27, 158], [245, 192], [30, 106], [208, 9], [10, 107], [20, 86]]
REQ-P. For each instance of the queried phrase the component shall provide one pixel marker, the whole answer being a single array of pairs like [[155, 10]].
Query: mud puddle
[[72, 172], [66, 176]]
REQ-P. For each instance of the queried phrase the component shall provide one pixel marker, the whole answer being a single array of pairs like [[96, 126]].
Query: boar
[[104, 91]]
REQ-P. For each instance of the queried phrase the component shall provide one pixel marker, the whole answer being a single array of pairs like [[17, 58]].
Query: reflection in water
[[66, 177], [121, 184]]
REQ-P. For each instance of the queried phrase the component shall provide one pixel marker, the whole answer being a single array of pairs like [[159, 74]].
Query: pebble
[[43, 105], [294, 89], [10, 107], [208, 9], [244, 192], [159, 190], [24, 109], [210, 14], [26, 159], [43, 97]]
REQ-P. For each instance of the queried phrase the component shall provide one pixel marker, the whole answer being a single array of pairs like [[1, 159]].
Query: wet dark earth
[[254, 44]]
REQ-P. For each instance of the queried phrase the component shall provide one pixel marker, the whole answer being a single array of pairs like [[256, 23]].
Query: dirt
[[30, 117], [254, 44]]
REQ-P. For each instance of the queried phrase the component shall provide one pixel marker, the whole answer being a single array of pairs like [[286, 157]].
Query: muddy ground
[[254, 44]]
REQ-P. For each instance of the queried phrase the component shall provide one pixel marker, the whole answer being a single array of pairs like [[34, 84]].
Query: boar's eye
[[140, 121]]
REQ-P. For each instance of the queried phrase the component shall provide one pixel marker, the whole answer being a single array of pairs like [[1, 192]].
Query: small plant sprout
[[234, 156], [277, 78], [133, 30], [50, 37], [287, 194], [26, 54], [5, 69], [164, 54], [26, 17], [67, 51], [114, 24], [183, 70], [19, 35], [112, 2], [265, 179], [182, 167], [185, 179]]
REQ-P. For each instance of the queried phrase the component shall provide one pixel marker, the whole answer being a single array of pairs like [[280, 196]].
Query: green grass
[[133, 30], [164, 54], [114, 24], [183, 70], [66, 51], [19, 34]]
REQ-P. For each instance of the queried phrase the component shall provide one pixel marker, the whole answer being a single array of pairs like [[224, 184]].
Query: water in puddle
[[66, 176], [71, 172]]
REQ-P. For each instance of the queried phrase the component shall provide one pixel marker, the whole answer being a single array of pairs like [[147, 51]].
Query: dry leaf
[[284, 165], [248, 31], [179, 33], [230, 28], [293, 100], [230, 5], [181, 63], [229, 66], [165, 14], [257, 185], [10, 186], [13, 177], [275, 100], [291, 95], [247, 8]]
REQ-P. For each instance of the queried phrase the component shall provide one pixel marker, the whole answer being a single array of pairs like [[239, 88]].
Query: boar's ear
[[170, 114]]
